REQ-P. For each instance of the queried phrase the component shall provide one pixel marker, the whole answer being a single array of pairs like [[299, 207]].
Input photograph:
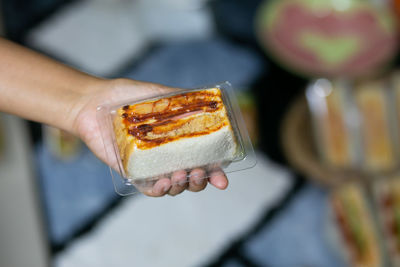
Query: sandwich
[[355, 227], [329, 117], [353, 127], [387, 199], [378, 146], [178, 132]]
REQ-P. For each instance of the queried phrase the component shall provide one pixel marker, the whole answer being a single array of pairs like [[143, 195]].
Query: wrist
[[79, 95], [82, 106]]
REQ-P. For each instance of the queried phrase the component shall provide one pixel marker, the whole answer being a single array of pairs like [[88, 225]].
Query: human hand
[[83, 115], [41, 89]]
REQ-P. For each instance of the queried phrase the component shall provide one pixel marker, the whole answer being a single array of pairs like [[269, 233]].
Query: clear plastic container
[[334, 122], [378, 125], [151, 139]]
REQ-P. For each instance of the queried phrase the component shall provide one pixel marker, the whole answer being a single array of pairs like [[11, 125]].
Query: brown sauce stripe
[[207, 106], [147, 143]]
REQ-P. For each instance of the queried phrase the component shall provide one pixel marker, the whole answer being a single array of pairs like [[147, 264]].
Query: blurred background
[[318, 85]]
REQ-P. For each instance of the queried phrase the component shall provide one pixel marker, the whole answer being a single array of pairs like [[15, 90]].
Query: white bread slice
[[182, 154], [179, 132]]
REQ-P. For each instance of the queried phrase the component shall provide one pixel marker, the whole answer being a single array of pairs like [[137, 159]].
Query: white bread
[[179, 132]]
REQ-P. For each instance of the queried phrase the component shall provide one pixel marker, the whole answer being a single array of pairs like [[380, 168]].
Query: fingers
[[197, 181], [179, 182], [218, 179], [160, 188]]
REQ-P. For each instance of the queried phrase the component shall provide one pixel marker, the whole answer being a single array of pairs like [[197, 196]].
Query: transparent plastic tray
[[140, 157]]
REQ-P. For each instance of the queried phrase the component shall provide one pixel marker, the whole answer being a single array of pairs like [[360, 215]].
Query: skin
[[40, 89]]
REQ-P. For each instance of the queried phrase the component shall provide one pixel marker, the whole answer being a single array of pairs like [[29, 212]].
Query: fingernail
[[222, 185], [165, 188], [159, 189], [182, 183], [198, 181]]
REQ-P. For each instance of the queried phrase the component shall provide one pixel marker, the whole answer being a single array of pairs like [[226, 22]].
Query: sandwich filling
[[165, 120]]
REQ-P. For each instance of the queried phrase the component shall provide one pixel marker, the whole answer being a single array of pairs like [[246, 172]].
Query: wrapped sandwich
[[146, 140], [328, 105], [355, 125], [182, 131], [378, 146], [387, 200], [354, 227]]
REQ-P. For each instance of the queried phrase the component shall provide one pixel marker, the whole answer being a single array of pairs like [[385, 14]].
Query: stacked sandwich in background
[[356, 125], [356, 133], [352, 228]]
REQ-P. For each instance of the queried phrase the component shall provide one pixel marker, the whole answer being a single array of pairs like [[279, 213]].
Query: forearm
[[38, 88]]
